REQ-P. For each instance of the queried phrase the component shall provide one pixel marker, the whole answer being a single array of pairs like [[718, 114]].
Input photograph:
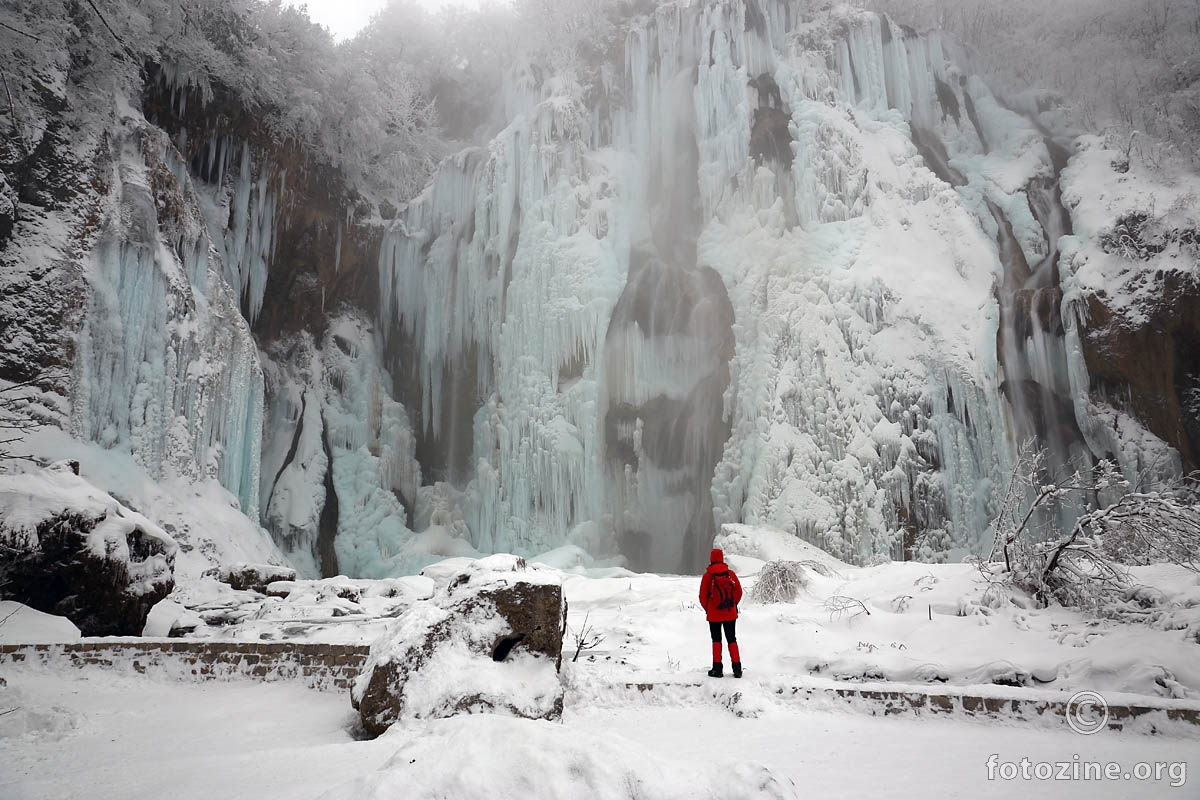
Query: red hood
[[720, 566]]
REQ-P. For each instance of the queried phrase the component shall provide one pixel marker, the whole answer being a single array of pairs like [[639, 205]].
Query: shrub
[[779, 582]]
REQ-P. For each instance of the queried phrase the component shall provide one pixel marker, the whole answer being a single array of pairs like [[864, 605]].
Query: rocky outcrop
[[318, 255], [1152, 369], [490, 640], [67, 548], [255, 577]]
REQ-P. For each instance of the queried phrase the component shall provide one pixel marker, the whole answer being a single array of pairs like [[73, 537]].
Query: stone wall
[[318, 666], [1154, 716]]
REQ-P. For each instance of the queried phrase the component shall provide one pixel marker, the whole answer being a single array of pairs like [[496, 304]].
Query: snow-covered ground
[[99, 735], [919, 624], [112, 734]]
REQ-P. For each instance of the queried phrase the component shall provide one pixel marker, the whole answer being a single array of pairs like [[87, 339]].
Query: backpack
[[723, 590]]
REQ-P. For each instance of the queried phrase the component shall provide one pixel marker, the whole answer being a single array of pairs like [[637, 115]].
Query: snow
[[1098, 195], [931, 628], [21, 624], [202, 517], [921, 626], [490, 756]]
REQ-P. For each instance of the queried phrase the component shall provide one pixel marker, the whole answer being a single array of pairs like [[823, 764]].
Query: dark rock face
[[770, 138], [319, 258], [59, 571], [446, 656], [255, 577], [1152, 370]]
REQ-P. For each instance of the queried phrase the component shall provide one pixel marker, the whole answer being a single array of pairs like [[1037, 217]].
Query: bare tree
[[586, 638], [779, 582], [15, 420]]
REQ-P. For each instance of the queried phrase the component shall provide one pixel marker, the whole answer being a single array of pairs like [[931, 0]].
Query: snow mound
[[20, 624], [487, 756], [765, 543], [24, 717]]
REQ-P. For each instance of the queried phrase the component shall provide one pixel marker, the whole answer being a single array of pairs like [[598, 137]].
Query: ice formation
[[341, 484], [784, 266], [165, 364], [883, 233]]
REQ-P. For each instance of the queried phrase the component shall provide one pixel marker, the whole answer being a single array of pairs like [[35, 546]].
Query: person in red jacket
[[720, 593]]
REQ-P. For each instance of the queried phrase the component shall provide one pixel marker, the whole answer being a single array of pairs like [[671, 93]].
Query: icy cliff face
[[165, 365], [783, 266], [763, 262], [116, 308]]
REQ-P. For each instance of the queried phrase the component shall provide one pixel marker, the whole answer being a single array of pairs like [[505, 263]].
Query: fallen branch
[[18, 30], [839, 604], [10, 614], [124, 47]]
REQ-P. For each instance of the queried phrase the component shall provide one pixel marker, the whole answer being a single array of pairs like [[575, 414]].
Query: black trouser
[[714, 628]]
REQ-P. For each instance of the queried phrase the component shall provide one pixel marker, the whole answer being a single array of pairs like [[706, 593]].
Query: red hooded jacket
[[709, 597]]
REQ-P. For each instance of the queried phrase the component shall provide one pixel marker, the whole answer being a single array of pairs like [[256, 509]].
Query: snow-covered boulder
[[68, 548], [255, 577], [489, 640], [488, 756]]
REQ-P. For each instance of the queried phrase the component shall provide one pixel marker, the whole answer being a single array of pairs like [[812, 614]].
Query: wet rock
[[490, 640], [1152, 369], [770, 138], [68, 548]]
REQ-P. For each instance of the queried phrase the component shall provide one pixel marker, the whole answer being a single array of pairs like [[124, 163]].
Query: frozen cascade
[[165, 366], [333, 425], [833, 203]]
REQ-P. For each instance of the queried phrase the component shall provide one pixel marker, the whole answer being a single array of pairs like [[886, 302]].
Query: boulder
[[255, 577], [489, 640], [70, 549]]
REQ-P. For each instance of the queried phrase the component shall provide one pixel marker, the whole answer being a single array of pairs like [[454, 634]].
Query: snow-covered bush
[[779, 582], [68, 548], [1152, 527], [1085, 566]]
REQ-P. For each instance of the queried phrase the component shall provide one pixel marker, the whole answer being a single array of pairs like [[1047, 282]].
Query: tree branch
[[18, 30], [124, 47], [12, 112]]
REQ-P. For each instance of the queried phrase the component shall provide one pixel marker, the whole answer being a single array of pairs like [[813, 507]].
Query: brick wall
[[319, 666]]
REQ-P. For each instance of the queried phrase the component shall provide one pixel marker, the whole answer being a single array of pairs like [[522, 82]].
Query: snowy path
[[99, 735]]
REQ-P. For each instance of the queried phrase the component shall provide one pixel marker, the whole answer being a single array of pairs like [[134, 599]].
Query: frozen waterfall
[[758, 283], [165, 365]]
